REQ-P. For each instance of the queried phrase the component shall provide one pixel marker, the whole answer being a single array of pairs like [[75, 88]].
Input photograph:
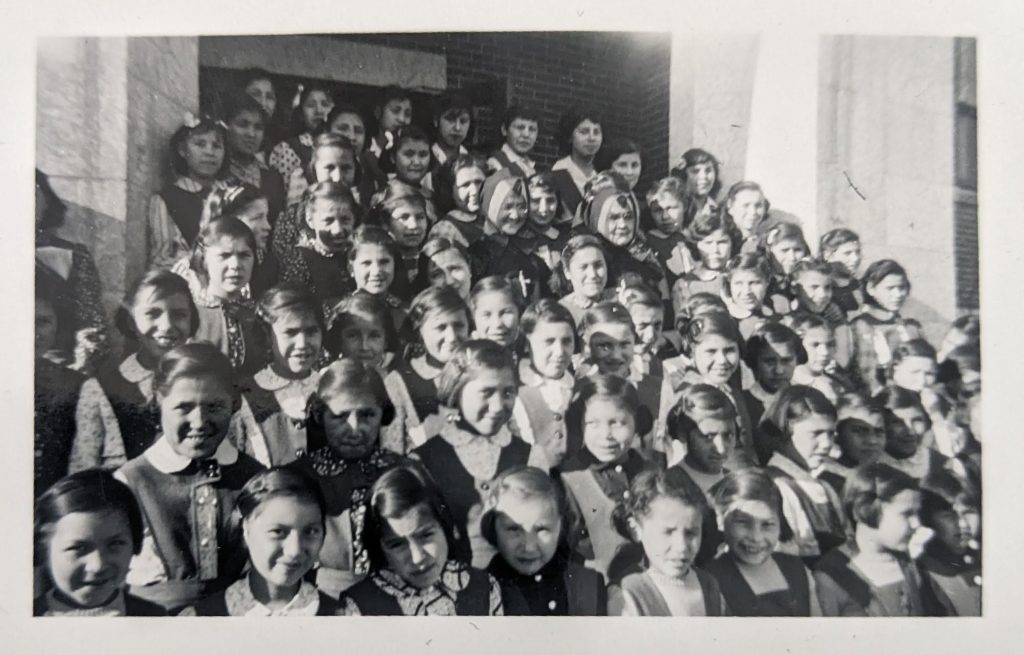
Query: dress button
[[485, 486], [558, 417], [977, 580], [618, 468], [551, 605], [204, 542], [537, 578], [968, 559], [625, 494], [201, 500]]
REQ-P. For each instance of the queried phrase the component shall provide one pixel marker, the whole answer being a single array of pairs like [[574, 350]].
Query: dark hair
[[499, 284], [432, 300], [470, 358], [913, 348], [794, 403], [614, 149], [395, 493], [53, 215], [601, 384], [203, 125], [163, 284], [741, 186], [698, 401], [192, 360], [746, 262], [808, 265], [250, 75], [651, 484], [452, 100], [605, 312], [895, 398], [525, 482], [878, 271], [92, 490], [697, 328], [279, 482], [941, 491], [570, 120], [545, 310], [801, 322], [698, 304], [445, 176], [229, 201], [365, 306], [434, 246], [290, 298], [226, 227], [375, 235], [637, 292], [750, 484], [240, 101], [402, 135], [335, 191], [323, 142], [782, 231], [394, 194], [832, 240], [869, 487], [344, 108], [392, 92], [768, 334], [304, 91], [519, 111], [695, 156], [343, 376]]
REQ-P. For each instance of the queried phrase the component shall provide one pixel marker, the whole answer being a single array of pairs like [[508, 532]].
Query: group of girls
[[382, 375]]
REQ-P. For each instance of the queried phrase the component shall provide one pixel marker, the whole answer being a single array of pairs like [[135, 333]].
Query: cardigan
[[562, 587], [795, 600]]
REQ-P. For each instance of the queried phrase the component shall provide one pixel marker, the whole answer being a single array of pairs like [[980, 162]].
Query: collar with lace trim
[[579, 178], [57, 607], [422, 368], [436, 600], [314, 244], [268, 380], [165, 460], [241, 602], [460, 438]]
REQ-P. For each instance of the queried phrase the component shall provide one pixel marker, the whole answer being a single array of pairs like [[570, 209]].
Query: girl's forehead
[[754, 508], [349, 118], [287, 510], [406, 207], [150, 295], [611, 328], [228, 243], [588, 254], [367, 249], [445, 316], [339, 401], [469, 173], [413, 520], [92, 524], [316, 95], [294, 318], [455, 114], [715, 340], [204, 135], [493, 297], [413, 144]]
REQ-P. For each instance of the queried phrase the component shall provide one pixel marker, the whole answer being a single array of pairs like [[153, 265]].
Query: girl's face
[[468, 184], [443, 332], [512, 214], [898, 520], [586, 139], [904, 429], [256, 215], [527, 530], [610, 347], [716, 358], [334, 164], [787, 253], [333, 222], [194, 415], [229, 264], [363, 339], [711, 444], [88, 555], [551, 345], [588, 272], [715, 250], [352, 421], [543, 207], [453, 127], [262, 91], [373, 268], [748, 209], [245, 133], [848, 255], [700, 178], [747, 289], [284, 536], [315, 109], [647, 322], [449, 268], [670, 533], [415, 546], [412, 161], [203, 153], [629, 167], [775, 366], [486, 400], [297, 342], [46, 327], [812, 438], [954, 528], [667, 212], [751, 530], [408, 225], [351, 127], [521, 135], [496, 317], [395, 114], [161, 322], [890, 293], [914, 373], [609, 428], [618, 224], [814, 290], [820, 344], [862, 435]]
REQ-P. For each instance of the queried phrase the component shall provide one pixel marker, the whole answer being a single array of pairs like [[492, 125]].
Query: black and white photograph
[[567, 319]]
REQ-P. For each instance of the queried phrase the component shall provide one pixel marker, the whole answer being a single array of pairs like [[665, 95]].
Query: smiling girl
[[700, 171], [585, 270]]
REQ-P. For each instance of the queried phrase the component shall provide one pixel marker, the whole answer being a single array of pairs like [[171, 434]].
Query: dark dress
[[512, 257], [741, 599], [133, 606], [562, 588], [56, 399], [138, 418]]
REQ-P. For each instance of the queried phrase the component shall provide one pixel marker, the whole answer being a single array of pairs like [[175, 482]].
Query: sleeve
[[98, 442], [812, 588], [494, 602], [166, 245], [620, 603], [832, 599]]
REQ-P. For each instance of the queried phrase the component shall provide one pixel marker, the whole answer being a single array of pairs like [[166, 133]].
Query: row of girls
[[481, 389]]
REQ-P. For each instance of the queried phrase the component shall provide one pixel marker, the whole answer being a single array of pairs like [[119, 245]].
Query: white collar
[[186, 183], [423, 369], [56, 607], [268, 380], [439, 155], [132, 371], [514, 156], [531, 378], [460, 438], [790, 468], [759, 392], [241, 602], [165, 460], [579, 178]]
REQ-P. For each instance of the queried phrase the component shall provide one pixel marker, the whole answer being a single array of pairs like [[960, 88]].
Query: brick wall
[[624, 76]]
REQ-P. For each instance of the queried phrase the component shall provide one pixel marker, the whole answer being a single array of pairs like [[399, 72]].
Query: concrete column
[[106, 110]]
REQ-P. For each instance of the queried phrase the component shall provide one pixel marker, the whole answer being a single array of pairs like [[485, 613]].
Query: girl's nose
[[95, 561], [417, 553], [292, 545]]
